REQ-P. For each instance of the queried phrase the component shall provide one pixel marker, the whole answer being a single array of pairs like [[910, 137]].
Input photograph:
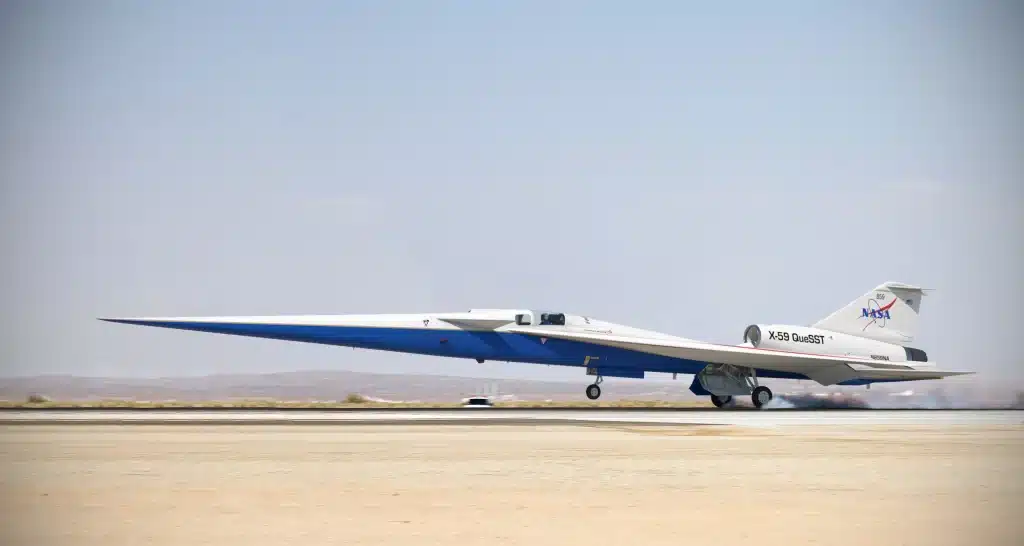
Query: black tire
[[720, 401], [761, 396], [593, 392]]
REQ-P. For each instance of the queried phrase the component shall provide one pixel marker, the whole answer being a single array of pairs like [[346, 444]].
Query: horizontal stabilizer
[[872, 372], [866, 373]]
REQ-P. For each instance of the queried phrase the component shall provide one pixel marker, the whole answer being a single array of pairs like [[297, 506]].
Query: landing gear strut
[[593, 391]]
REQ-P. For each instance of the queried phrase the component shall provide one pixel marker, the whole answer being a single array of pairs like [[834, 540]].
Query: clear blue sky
[[686, 167]]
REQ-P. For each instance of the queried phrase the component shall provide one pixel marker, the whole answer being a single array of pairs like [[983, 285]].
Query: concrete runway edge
[[334, 422], [494, 417]]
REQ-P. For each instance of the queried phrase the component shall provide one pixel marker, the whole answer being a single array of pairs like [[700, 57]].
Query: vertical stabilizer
[[889, 313]]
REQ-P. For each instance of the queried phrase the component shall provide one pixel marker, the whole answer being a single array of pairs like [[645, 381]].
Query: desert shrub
[[37, 399]]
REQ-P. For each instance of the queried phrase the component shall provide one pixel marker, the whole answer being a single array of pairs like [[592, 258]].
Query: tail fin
[[887, 313]]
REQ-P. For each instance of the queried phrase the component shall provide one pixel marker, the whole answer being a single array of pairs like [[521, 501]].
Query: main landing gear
[[593, 391], [761, 396], [723, 381], [720, 401]]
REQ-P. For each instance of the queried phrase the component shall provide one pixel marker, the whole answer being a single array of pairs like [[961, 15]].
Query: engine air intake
[[916, 355], [753, 335]]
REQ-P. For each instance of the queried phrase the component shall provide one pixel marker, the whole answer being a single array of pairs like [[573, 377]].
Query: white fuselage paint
[[805, 340]]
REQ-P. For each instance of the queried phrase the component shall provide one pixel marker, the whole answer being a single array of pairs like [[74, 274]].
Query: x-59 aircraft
[[864, 342]]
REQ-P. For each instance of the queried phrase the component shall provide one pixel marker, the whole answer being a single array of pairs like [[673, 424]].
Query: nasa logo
[[876, 311]]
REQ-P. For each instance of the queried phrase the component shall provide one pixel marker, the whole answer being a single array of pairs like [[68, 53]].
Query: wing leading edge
[[824, 369]]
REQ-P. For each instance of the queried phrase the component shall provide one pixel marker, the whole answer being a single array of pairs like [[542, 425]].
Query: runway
[[497, 416], [845, 478]]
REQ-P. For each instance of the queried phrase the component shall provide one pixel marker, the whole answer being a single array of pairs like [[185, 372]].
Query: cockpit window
[[522, 319], [552, 318]]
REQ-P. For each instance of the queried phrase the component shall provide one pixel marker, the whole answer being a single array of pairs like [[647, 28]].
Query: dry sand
[[557, 485]]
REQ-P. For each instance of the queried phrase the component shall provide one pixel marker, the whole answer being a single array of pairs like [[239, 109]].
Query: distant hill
[[325, 386]]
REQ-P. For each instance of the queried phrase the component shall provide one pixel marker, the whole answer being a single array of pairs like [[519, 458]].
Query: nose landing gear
[[594, 391]]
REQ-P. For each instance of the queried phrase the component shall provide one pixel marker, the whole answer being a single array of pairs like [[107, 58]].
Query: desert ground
[[588, 484]]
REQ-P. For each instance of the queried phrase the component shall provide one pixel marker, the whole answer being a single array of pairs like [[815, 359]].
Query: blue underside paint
[[485, 345], [608, 371]]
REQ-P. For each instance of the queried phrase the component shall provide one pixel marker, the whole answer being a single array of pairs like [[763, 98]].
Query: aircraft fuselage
[[859, 344], [433, 335]]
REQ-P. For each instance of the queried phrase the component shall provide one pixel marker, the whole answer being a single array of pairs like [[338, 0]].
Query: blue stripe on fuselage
[[485, 345]]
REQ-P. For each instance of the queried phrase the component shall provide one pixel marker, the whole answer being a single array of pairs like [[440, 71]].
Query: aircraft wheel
[[593, 392], [761, 396], [720, 401]]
